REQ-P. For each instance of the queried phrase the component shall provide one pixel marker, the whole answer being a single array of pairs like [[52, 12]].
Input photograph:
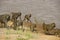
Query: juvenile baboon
[[27, 18], [15, 17], [48, 27], [29, 26], [4, 19], [33, 27]]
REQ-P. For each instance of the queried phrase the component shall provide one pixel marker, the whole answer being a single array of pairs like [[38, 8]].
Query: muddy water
[[43, 10]]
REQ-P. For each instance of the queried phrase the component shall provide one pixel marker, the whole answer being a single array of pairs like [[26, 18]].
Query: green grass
[[28, 35], [21, 39], [7, 38], [13, 32], [25, 35]]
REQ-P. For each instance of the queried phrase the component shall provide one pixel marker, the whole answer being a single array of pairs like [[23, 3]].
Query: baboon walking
[[4, 19], [48, 27], [14, 18]]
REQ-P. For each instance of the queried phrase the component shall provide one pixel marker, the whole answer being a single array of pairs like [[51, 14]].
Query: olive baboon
[[55, 32], [29, 26], [48, 27], [4, 19], [15, 17], [27, 17]]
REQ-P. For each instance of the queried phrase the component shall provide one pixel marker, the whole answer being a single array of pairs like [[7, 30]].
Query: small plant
[[21, 39], [7, 38], [7, 32], [29, 36]]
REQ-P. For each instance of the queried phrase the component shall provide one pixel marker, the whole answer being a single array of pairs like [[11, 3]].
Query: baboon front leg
[[15, 24], [33, 28], [5, 24]]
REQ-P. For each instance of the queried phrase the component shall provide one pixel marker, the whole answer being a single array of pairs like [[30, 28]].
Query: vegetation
[[21, 35]]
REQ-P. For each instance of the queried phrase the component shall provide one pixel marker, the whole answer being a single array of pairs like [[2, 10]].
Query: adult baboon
[[48, 27], [29, 26], [4, 19], [27, 17], [28, 22], [15, 17]]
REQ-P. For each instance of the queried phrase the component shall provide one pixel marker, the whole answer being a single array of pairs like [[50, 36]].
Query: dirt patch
[[27, 35]]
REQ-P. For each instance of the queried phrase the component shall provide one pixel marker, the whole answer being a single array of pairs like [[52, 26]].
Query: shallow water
[[43, 10]]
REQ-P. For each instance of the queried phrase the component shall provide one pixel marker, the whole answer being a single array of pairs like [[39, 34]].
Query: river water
[[42, 10]]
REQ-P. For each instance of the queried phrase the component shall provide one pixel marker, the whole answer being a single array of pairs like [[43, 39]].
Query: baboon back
[[48, 27], [4, 18]]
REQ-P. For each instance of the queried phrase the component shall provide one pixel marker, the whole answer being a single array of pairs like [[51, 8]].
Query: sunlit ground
[[11, 34]]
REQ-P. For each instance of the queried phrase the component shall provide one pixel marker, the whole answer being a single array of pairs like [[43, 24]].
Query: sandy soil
[[12, 35]]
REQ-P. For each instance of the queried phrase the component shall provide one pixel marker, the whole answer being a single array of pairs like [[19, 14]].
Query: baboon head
[[4, 18], [53, 24], [27, 17]]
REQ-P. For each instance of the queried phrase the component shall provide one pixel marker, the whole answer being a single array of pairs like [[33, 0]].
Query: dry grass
[[26, 35]]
